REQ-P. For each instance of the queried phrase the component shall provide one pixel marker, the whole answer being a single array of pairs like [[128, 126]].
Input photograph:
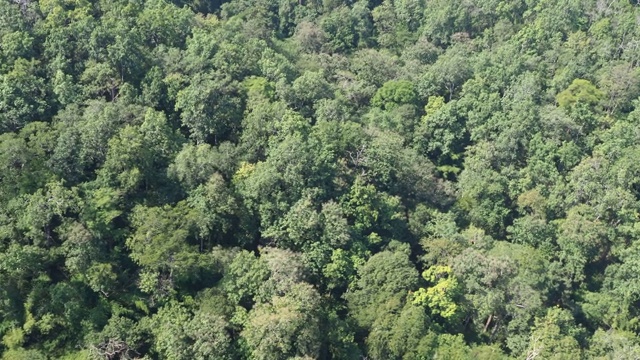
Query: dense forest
[[319, 179]]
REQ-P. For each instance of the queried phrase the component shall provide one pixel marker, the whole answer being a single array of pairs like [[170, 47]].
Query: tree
[[136, 153], [439, 298], [16, 45], [121, 338], [583, 240], [483, 192], [447, 74], [554, 337], [298, 228], [181, 333], [374, 67], [346, 28], [216, 210], [286, 326], [23, 96], [165, 23], [386, 278], [244, 277], [441, 134], [393, 94], [621, 83], [160, 245], [41, 209], [504, 288], [84, 140], [211, 107], [309, 88], [23, 170], [195, 164], [451, 346], [310, 37], [102, 80], [580, 90], [369, 210], [612, 343]]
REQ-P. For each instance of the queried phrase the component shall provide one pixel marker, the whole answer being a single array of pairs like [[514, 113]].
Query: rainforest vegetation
[[319, 179]]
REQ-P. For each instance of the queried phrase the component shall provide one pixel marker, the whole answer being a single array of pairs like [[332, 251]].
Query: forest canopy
[[306, 179]]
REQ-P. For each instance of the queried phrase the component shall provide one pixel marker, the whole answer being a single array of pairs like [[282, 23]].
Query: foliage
[[255, 179], [439, 298]]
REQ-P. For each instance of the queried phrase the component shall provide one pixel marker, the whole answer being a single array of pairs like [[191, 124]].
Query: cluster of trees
[[259, 179]]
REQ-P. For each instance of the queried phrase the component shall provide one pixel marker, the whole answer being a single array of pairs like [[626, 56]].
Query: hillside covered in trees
[[319, 179]]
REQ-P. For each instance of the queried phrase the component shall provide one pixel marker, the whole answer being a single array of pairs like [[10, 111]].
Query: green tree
[[386, 278], [580, 90], [394, 93], [160, 245], [181, 333], [448, 73], [440, 297], [483, 191], [211, 108], [286, 326], [554, 336], [23, 96]]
